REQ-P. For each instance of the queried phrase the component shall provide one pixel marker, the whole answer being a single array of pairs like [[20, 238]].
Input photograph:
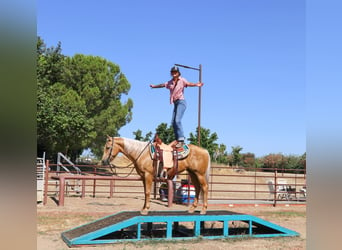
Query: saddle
[[165, 157]]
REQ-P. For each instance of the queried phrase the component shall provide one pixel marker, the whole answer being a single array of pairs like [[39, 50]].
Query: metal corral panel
[[172, 225], [40, 171]]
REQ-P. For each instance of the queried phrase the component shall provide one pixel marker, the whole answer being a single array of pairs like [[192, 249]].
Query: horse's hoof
[[191, 210], [203, 212], [144, 212]]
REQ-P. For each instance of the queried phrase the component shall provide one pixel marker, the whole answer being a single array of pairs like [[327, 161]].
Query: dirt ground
[[53, 220]]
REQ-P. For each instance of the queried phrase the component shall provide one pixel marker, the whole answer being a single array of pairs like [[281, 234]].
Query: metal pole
[[46, 181], [169, 193], [187, 67], [275, 188], [199, 107]]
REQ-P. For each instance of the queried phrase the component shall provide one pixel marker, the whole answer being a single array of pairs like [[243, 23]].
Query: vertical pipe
[[61, 191], [169, 230], [94, 184], [58, 163], [139, 231], [111, 186], [83, 189], [275, 188], [155, 170], [225, 228], [211, 183], [295, 185], [199, 106], [188, 189], [197, 228], [170, 193], [46, 181], [255, 183], [155, 188]]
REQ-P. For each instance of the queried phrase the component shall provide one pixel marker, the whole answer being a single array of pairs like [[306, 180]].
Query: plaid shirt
[[176, 89]]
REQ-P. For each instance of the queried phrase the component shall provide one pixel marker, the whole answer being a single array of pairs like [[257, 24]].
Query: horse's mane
[[132, 146]]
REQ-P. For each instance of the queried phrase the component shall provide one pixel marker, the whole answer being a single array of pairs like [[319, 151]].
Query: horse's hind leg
[[197, 191], [204, 188], [204, 185], [147, 188]]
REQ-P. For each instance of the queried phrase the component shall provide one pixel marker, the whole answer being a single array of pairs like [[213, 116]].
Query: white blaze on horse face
[[107, 148], [105, 151]]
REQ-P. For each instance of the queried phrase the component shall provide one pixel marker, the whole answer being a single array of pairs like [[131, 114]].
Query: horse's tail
[[207, 173]]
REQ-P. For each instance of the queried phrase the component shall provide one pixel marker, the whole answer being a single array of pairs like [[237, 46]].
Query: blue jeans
[[178, 112]]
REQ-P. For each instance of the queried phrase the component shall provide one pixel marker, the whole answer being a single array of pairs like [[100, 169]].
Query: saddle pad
[[183, 152]]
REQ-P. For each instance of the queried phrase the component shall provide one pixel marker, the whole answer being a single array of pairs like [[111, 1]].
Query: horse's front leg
[[148, 178]]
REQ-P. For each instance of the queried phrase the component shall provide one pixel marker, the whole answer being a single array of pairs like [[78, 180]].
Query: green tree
[[272, 161], [50, 63], [282, 163], [292, 162], [236, 156], [302, 162], [295, 162], [139, 136], [248, 160], [78, 101], [220, 155], [208, 140], [258, 163], [61, 121], [165, 133], [101, 85]]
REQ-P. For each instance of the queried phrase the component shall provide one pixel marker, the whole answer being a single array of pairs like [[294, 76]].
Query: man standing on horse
[[176, 86]]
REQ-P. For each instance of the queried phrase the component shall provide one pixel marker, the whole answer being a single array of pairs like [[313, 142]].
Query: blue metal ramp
[[172, 225]]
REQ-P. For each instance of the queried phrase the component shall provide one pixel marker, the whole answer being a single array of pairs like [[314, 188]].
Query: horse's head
[[110, 150]]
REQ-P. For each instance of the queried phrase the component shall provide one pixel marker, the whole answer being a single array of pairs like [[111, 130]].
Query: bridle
[[115, 167], [110, 153]]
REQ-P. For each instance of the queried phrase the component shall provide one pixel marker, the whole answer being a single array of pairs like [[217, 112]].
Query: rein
[[115, 167]]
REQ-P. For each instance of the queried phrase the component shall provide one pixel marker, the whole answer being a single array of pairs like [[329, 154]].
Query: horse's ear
[[108, 136]]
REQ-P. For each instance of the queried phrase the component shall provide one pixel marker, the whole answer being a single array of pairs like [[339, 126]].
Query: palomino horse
[[197, 164]]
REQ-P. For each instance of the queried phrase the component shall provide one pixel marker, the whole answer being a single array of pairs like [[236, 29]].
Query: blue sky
[[252, 55]]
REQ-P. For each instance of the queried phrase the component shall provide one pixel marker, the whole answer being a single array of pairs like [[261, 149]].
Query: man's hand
[[157, 86]]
